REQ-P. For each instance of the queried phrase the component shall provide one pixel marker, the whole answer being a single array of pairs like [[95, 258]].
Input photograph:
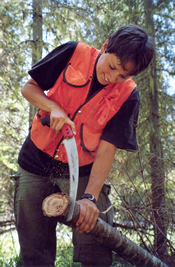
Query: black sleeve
[[121, 129], [46, 71]]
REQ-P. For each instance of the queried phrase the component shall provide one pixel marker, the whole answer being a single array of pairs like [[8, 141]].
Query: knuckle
[[81, 218], [82, 212], [86, 220], [91, 227], [80, 227], [79, 223]]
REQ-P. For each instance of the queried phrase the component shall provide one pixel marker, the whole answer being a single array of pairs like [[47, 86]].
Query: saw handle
[[66, 129], [45, 121]]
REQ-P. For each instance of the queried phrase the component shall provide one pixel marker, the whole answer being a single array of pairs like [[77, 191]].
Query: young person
[[92, 91]]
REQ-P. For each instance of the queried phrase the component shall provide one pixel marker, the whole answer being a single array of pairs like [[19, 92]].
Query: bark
[[157, 168], [103, 233], [37, 43], [124, 247]]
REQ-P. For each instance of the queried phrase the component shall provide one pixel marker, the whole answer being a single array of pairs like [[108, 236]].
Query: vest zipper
[[87, 100], [93, 76]]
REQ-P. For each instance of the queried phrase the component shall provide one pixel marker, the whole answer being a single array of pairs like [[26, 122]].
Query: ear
[[104, 46]]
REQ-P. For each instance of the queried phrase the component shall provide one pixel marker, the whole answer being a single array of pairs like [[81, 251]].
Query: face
[[109, 68]]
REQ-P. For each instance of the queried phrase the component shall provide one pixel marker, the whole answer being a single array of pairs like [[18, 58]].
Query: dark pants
[[37, 233]]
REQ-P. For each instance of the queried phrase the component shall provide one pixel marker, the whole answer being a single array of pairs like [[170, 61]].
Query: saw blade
[[72, 154]]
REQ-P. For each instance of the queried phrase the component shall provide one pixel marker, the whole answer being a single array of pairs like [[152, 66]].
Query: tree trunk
[[157, 168], [37, 43]]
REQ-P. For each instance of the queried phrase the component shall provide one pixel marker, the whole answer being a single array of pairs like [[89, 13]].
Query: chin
[[104, 83]]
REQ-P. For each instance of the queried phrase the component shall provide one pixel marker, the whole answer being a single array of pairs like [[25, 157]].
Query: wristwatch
[[90, 197]]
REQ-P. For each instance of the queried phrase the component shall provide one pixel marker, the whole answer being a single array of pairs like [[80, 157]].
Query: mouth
[[105, 78]]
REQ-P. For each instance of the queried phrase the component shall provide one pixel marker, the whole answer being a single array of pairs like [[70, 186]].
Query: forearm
[[101, 167], [36, 96]]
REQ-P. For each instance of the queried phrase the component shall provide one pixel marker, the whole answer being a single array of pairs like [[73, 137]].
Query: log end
[[56, 205]]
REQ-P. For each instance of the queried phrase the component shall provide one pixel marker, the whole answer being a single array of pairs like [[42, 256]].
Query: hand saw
[[72, 154]]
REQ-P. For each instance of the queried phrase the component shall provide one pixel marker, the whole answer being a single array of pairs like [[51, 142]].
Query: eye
[[111, 67], [123, 77]]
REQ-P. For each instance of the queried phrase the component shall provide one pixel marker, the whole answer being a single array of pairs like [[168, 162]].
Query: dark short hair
[[132, 43]]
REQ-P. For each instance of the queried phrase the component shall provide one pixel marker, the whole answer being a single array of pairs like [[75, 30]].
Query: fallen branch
[[131, 227], [57, 205]]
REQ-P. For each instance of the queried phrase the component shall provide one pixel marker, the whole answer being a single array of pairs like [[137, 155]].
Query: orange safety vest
[[90, 115]]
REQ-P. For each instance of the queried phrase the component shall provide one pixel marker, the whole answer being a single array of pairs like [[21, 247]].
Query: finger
[[54, 121], [57, 125], [90, 218], [85, 222], [91, 227], [73, 127], [81, 216]]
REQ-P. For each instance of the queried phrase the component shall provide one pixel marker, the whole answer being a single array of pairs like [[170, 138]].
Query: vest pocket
[[89, 139], [74, 77]]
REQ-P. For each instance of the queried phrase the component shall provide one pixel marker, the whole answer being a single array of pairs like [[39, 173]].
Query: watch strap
[[90, 197]]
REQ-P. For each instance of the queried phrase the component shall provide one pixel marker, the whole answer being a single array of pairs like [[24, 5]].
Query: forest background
[[143, 183]]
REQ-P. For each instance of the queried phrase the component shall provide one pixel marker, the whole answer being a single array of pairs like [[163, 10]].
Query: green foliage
[[64, 247], [10, 256], [64, 258], [119, 262], [9, 250], [13, 118]]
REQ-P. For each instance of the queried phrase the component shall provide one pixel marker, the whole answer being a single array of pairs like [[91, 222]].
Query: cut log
[[57, 205]]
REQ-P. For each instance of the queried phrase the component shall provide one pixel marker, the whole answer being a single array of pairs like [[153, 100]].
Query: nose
[[114, 76]]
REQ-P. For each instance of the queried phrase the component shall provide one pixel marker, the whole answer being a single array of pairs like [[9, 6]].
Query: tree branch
[[7, 230], [158, 3], [103, 233]]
